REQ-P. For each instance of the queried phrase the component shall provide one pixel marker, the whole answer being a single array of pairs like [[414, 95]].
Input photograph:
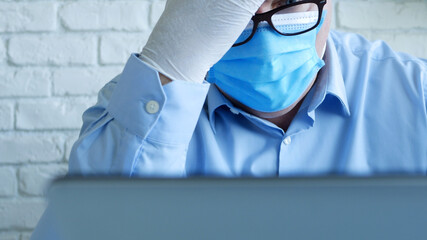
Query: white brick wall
[[28, 16], [33, 177], [19, 148], [377, 15], [402, 24], [52, 113], [20, 214], [113, 15], [8, 181], [56, 54], [53, 49], [24, 82], [6, 116], [65, 83], [2, 51], [113, 51]]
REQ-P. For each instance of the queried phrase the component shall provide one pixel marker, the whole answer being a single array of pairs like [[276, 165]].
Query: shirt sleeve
[[138, 126]]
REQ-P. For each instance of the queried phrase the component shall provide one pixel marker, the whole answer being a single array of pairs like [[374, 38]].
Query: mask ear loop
[[318, 29], [323, 52]]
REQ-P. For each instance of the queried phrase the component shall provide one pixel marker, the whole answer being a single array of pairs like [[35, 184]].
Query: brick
[[82, 81], [119, 15], [69, 145], [2, 51], [30, 148], [24, 82], [25, 236], [28, 16], [382, 15], [53, 49], [116, 49], [34, 180], [20, 214], [156, 11], [9, 236], [6, 116], [52, 113], [8, 182]]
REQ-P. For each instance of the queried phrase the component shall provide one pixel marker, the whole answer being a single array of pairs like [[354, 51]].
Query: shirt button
[[234, 111], [152, 107], [287, 140]]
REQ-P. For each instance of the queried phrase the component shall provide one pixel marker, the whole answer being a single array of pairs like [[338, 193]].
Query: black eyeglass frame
[[257, 18]]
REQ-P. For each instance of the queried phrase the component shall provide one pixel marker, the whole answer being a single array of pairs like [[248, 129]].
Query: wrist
[[164, 80]]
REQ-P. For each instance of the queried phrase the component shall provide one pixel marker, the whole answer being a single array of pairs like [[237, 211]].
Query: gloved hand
[[192, 35]]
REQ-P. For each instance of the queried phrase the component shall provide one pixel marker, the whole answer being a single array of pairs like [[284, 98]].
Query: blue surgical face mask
[[271, 71]]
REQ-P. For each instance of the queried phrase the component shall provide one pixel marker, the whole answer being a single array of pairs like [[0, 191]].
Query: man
[[269, 111], [286, 98]]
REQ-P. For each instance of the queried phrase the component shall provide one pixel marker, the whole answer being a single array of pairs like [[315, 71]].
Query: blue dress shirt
[[366, 114]]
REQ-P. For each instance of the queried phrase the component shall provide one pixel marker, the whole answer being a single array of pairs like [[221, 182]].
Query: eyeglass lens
[[288, 21]]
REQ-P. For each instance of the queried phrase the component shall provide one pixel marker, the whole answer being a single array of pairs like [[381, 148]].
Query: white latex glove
[[192, 35]]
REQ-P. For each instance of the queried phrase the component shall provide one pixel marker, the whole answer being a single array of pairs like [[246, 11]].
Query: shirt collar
[[216, 99], [330, 82]]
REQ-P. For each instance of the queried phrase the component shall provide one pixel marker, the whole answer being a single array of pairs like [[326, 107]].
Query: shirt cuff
[[166, 114]]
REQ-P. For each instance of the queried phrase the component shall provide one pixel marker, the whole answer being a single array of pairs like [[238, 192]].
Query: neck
[[285, 120], [281, 119]]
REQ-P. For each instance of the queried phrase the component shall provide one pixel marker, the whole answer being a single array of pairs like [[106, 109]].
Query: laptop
[[211, 208]]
